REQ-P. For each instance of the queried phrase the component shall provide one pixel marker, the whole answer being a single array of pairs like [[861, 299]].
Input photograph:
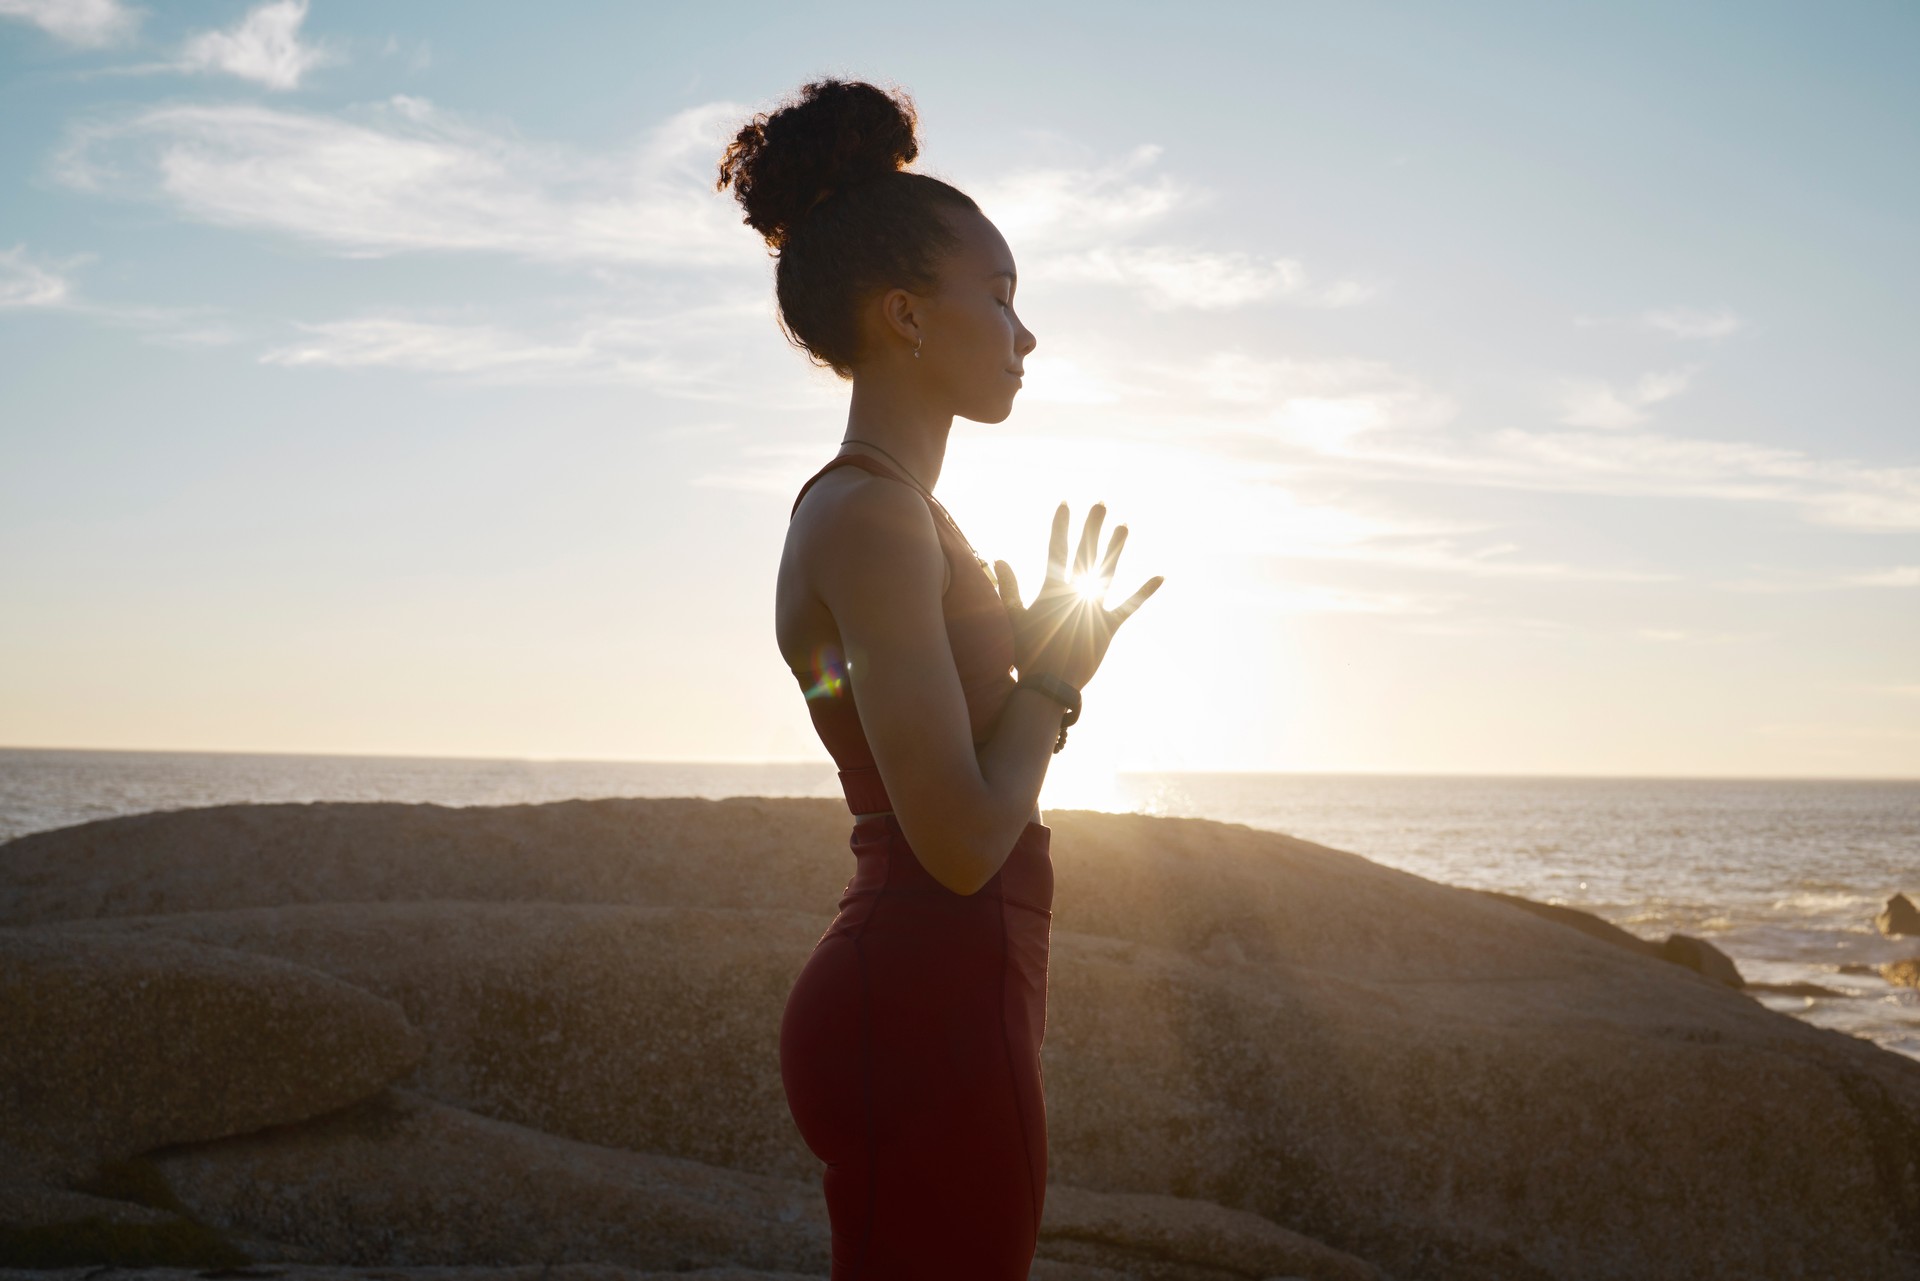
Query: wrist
[[1061, 692]]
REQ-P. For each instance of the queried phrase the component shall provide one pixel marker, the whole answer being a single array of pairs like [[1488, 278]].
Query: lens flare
[[1087, 586], [829, 674]]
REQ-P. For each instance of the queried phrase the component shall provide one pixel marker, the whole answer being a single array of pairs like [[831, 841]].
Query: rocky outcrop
[[1698, 955], [401, 1180], [116, 1045], [1902, 973], [647, 1028], [1898, 917], [1702, 957], [1429, 1080]]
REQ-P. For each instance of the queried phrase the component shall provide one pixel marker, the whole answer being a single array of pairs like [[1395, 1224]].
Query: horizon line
[[828, 764]]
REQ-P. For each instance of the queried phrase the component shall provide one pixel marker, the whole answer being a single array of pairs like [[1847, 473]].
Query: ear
[[901, 312]]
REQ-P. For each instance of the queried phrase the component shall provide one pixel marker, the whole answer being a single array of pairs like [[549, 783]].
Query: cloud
[[25, 283], [1169, 276], [264, 47], [1599, 404], [672, 351], [1079, 220], [88, 23], [1902, 576], [1366, 420], [1686, 323], [408, 177]]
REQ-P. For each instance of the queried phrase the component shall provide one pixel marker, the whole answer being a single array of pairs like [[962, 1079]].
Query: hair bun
[[836, 134]]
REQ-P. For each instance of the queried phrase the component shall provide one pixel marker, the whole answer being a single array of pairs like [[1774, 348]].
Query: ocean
[[1785, 876]]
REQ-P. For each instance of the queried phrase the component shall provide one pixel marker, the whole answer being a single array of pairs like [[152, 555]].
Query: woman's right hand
[[1066, 629]]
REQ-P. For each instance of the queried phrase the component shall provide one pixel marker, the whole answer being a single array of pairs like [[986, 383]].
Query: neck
[[895, 417]]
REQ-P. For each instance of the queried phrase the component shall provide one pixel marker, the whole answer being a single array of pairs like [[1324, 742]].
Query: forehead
[[981, 252]]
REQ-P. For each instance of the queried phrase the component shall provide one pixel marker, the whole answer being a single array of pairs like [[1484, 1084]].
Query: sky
[[1500, 388]]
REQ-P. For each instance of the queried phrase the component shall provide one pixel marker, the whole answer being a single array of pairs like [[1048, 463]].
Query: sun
[[1086, 586]]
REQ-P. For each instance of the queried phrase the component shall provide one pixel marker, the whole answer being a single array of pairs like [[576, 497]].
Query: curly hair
[[821, 179]]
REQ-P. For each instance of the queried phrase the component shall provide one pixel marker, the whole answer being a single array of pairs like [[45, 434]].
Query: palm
[[1066, 628]]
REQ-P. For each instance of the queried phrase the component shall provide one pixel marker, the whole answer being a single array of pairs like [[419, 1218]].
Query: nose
[[1026, 342]]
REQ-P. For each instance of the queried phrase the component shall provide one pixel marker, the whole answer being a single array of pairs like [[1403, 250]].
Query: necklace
[[924, 490]]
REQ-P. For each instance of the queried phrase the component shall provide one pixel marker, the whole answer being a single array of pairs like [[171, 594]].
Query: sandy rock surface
[[402, 1180], [1424, 1078], [652, 1029], [115, 1045]]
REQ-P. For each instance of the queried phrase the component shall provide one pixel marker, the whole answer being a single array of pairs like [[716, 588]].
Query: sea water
[[1785, 876]]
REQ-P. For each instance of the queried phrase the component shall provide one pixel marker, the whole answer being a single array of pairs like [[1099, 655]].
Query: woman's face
[[973, 347]]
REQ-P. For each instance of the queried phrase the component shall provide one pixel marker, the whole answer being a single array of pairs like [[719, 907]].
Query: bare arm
[[879, 572]]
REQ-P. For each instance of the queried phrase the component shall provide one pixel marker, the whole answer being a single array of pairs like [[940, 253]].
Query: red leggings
[[910, 1053]]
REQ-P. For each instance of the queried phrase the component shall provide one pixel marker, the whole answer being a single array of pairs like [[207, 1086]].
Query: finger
[[1057, 546], [1125, 608], [1089, 540], [1008, 584], [1114, 545]]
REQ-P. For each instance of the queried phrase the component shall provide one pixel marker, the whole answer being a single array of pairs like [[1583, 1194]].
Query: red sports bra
[[977, 630]]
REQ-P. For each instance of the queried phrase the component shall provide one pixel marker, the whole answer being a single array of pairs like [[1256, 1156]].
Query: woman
[[910, 1046]]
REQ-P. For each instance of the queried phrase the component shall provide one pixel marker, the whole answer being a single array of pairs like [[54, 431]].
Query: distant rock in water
[[1903, 973], [1263, 1057], [1899, 916]]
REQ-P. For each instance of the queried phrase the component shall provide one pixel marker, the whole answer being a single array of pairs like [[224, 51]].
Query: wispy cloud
[[44, 284], [26, 283], [1080, 222], [1169, 276], [670, 352], [264, 46], [406, 176], [1372, 422], [1688, 323], [90, 24], [1600, 404], [1901, 576]]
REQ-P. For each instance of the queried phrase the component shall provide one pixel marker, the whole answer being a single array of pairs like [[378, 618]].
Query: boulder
[[1898, 917], [1426, 1078], [1586, 922], [652, 1029], [1902, 973], [1703, 958], [114, 1045], [752, 852], [400, 1180], [1163, 1236]]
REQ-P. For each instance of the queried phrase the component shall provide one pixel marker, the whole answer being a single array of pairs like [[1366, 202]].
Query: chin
[[993, 414]]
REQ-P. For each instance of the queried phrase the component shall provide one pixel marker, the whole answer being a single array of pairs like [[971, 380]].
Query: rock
[[1586, 922], [526, 1272], [1419, 1076], [115, 1045], [1698, 955], [1144, 1235], [640, 1028], [1702, 957], [751, 852], [400, 1180], [1902, 973], [1898, 917]]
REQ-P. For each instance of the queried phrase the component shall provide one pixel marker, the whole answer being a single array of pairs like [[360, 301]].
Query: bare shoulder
[[853, 523]]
